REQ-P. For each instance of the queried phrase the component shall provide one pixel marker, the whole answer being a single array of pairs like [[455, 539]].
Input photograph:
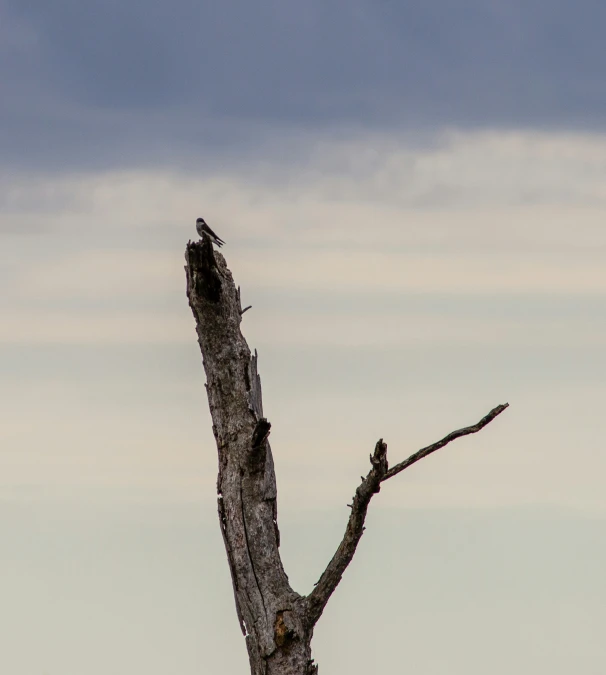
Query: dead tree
[[276, 621]]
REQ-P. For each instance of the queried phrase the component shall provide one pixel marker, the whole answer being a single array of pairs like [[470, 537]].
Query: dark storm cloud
[[116, 82]]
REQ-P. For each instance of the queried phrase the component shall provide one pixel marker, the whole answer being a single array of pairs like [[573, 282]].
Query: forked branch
[[317, 599], [278, 622]]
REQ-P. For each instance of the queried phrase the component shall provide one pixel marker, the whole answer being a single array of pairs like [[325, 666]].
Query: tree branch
[[453, 435], [317, 599]]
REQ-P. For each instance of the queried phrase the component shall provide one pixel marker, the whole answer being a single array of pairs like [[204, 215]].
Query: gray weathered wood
[[271, 613], [276, 621]]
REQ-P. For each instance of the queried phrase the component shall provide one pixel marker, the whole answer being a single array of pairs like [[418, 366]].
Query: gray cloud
[[128, 83]]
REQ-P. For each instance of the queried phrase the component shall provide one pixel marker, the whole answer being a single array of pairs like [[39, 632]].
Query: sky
[[413, 200]]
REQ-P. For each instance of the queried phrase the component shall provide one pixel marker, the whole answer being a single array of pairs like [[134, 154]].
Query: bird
[[203, 229]]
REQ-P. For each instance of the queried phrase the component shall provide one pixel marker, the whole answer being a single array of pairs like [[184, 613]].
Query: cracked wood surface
[[246, 483], [276, 621]]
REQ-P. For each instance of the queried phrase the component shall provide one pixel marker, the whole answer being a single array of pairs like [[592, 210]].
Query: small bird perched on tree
[[203, 229]]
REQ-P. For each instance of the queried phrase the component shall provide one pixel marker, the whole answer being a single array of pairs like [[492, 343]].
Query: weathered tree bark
[[277, 622]]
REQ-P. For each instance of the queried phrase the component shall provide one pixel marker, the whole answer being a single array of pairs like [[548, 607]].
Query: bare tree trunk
[[276, 621]]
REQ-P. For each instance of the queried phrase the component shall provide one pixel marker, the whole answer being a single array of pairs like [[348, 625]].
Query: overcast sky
[[413, 198]]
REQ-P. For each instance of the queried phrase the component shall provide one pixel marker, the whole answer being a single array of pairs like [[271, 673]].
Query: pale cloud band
[[479, 214], [473, 261]]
